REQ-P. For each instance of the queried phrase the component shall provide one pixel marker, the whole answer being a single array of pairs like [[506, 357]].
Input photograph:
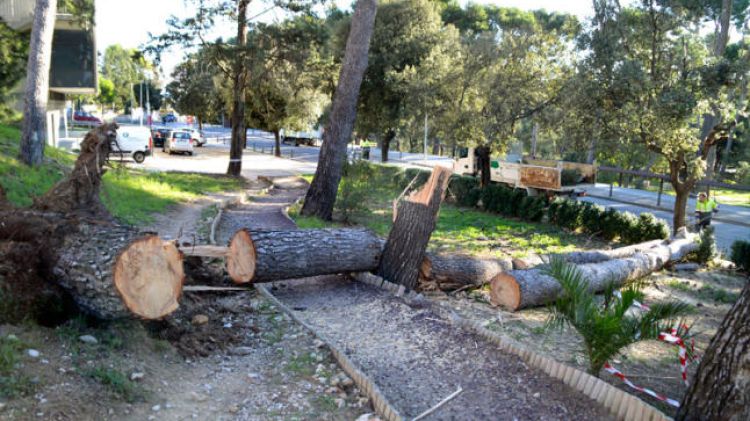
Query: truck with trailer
[[537, 176]]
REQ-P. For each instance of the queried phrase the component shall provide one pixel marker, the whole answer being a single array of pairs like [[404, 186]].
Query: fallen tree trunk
[[266, 256], [596, 256], [519, 289], [414, 222], [451, 272], [76, 242]]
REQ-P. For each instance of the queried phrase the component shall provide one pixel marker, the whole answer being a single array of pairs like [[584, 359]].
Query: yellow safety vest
[[707, 206]]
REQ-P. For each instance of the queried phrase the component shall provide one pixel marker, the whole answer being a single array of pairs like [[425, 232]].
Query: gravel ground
[[417, 358]]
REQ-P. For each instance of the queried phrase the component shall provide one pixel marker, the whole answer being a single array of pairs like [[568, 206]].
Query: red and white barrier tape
[[670, 338], [609, 369]]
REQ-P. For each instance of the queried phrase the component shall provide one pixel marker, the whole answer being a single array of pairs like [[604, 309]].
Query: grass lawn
[[132, 196], [459, 229]]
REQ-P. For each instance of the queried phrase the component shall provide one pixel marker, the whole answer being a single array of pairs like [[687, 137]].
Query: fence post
[[262, 149], [661, 189], [291, 153], [610, 188], [253, 146]]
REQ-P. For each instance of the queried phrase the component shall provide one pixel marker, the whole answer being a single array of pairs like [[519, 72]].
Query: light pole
[[140, 102], [425, 137]]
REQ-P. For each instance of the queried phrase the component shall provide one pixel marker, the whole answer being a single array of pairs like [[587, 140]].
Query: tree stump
[[415, 220]]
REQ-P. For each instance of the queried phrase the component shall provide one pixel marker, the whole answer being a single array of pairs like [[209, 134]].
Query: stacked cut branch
[[519, 289]]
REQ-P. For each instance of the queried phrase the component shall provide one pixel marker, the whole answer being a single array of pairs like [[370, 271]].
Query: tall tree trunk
[[721, 387], [239, 132], [680, 206], [200, 123], [34, 135], [722, 34], [277, 143], [322, 193], [387, 139], [534, 134], [483, 165]]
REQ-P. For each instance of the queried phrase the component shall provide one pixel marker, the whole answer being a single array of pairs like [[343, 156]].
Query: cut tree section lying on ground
[[149, 275], [451, 272], [528, 288], [267, 256], [415, 219]]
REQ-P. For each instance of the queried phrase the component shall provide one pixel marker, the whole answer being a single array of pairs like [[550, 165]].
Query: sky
[[128, 22]]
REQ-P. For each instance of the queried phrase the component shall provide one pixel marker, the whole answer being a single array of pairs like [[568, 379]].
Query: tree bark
[[680, 207], [448, 273], [483, 165], [321, 195], [34, 133], [266, 256], [239, 131], [75, 241], [277, 143], [721, 388], [519, 289], [388, 137], [415, 220], [598, 256]]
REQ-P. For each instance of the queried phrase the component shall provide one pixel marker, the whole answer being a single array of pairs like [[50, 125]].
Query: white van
[[133, 141]]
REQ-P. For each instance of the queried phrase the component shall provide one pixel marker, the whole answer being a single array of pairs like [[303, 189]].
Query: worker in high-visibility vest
[[705, 207]]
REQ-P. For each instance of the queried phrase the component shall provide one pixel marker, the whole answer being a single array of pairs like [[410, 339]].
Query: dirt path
[[411, 351], [264, 211]]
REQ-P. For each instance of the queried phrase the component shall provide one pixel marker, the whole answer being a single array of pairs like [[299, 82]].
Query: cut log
[[519, 289], [451, 272], [413, 225], [266, 256], [596, 256], [149, 275], [75, 242]]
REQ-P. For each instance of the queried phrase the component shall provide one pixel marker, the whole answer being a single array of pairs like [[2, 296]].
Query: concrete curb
[[365, 384], [620, 403]]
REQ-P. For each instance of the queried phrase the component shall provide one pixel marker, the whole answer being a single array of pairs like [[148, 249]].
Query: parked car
[[86, 119], [159, 135], [196, 136], [134, 141], [169, 118], [178, 141]]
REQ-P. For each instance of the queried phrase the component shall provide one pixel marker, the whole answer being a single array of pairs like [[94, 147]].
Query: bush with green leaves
[[592, 217], [741, 255], [607, 327], [707, 251], [743, 173], [651, 228], [464, 190], [532, 208], [570, 177], [419, 176]]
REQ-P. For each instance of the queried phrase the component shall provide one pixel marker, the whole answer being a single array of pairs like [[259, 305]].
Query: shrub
[[626, 225], [569, 177], [741, 254], [706, 246], [410, 173], [652, 228], [608, 327], [569, 215], [592, 218], [743, 173], [464, 190], [532, 208]]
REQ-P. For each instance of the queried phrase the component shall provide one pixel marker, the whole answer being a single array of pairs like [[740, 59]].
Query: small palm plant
[[607, 327]]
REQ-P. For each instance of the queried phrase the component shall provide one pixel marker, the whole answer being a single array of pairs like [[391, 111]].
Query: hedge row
[[588, 217], [741, 254], [607, 223]]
